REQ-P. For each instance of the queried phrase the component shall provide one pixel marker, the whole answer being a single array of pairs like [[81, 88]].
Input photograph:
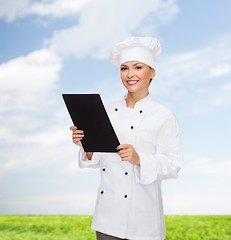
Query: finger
[[77, 135], [124, 155], [125, 159], [77, 138], [125, 150], [123, 146], [78, 131], [120, 152], [119, 148], [73, 128], [74, 136]]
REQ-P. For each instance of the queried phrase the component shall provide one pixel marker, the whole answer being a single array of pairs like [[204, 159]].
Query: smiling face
[[136, 76]]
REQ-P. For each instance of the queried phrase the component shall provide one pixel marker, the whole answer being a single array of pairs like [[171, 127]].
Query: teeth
[[132, 82]]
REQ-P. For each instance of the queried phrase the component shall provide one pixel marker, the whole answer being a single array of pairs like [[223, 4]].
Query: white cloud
[[47, 136], [207, 166], [71, 167], [11, 10], [197, 66], [167, 10], [35, 145], [205, 203], [53, 156], [199, 79], [26, 80], [57, 8], [201, 188], [27, 84], [104, 22], [223, 95], [53, 136], [204, 165], [66, 203]]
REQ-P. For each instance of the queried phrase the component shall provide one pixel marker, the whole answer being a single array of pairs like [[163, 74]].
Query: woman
[[129, 201]]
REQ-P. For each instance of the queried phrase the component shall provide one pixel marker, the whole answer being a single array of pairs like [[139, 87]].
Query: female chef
[[129, 202]]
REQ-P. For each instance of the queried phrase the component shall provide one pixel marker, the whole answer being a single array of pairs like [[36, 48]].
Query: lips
[[132, 82]]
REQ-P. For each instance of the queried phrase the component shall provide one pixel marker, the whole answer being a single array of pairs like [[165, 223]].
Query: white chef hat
[[142, 49]]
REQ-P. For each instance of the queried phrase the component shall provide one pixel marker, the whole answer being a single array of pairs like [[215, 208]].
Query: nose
[[130, 73]]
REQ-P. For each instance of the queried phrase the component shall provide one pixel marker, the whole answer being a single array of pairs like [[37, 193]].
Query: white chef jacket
[[129, 201]]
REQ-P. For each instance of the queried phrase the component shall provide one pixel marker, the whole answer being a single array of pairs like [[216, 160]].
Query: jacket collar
[[140, 104]]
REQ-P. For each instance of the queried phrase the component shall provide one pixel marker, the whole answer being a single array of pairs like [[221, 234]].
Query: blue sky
[[61, 46]]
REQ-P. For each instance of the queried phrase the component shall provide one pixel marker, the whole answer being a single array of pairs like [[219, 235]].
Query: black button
[[131, 127], [126, 173], [140, 111], [104, 169], [101, 192], [116, 109], [125, 196]]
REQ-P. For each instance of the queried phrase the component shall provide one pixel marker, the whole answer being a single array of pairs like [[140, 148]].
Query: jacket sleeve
[[85, 163], [168, 159]]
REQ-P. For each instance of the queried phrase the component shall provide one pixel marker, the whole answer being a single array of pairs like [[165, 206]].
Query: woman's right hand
[[77, 135]]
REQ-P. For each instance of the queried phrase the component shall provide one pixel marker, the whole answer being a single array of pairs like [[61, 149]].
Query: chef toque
[[141, 49]]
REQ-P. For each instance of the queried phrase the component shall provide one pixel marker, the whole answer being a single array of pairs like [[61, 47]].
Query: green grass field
[[70, 227]]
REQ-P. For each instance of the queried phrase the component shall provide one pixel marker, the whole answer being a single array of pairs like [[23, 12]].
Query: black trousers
[[103, 236]]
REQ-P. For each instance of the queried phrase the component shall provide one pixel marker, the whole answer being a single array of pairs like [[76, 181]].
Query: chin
[[132, 90]]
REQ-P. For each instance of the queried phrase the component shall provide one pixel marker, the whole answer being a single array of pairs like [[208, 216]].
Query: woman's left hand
[[128, 153]]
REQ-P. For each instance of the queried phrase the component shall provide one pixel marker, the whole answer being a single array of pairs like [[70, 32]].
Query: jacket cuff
[[146, 172], [85, 162]]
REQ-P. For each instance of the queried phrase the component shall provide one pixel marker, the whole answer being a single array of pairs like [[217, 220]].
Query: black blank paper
[[88, 114]]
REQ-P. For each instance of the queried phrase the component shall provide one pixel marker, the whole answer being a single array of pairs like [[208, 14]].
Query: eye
[[138, 67], [123, 68]]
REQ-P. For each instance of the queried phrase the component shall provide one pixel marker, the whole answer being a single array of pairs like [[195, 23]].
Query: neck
[[134, 97]]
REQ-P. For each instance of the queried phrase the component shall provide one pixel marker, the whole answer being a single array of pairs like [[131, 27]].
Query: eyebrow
[[132, 65]]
